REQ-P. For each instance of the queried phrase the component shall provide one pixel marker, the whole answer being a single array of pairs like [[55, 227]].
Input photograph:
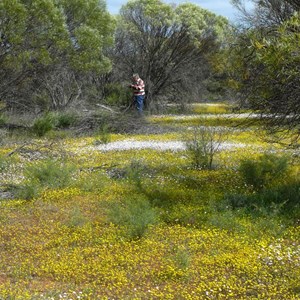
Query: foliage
[[103, 134], [286, 196], [280, 200], [40, 40], [2, 119], [266, 13], [42, 125], [135, 215], [171, 41], [117, 95], [264, 172], [50, 121], [162, 230], [76, 218], [4, 163], [30, 190], [264, 65], [271, 188], [50, 173], [64, 119]]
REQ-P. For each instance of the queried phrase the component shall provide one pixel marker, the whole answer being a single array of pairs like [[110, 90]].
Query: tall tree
[[168, 45], [38, 37], [265, 66], [266, 13]]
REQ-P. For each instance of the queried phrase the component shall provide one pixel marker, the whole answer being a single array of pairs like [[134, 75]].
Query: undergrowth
[[143, 224]]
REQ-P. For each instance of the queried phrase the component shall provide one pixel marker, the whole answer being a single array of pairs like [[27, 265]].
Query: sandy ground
[[156, 145]]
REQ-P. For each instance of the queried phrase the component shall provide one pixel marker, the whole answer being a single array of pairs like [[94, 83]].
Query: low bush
[[281, 199], [64, 119], [3, 163], [134, 215], [50, 173], [262, 173], [117, 95], [43, 124], [28, 191], [103, 134], [76, 218], [2, 120]]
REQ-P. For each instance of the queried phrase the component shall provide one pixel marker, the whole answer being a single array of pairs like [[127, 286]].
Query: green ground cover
[[147, 224]]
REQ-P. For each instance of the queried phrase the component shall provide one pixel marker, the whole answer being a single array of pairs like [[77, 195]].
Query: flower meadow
[[78, 222]]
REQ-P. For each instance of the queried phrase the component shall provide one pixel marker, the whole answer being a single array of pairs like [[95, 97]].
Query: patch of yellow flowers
[[43, 258], [63, 246]]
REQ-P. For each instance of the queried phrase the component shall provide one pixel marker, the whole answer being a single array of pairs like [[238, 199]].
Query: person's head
[[135, 76]]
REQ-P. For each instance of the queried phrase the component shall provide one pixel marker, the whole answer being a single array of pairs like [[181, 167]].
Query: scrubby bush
[[3, 163], [135, 172], [76, 218], [261, 173], [64, 120], [103, 134], [269, 187], [50, 173], [43, 124], [134, 215], [2, 120], [117, 95], [28, 191]]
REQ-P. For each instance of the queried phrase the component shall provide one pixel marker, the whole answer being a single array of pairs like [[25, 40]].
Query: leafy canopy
[[44, 32]]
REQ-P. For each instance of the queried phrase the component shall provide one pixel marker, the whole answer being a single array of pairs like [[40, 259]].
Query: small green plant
[[261, 173], [76, 218], [92, 182], [4, 163], [64, 120], [43, 125], [182, 258], [134, 215], [103, 134], [203, 144], [284, 197], [50, 173], [225, 220], [2, 119], [117, 95], [28, 191], [135, 172]]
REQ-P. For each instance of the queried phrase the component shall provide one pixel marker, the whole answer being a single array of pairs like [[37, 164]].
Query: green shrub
[[103, 134], [28, 191], [92, 182], [135, 172], [263, 172], [286, 197], [279, 199], [117, 95], [236, 201], [43, 125], [134, 215], [3, 163], [2, 120], [226, 220], [182, 259], [64, 120], [50, 173]]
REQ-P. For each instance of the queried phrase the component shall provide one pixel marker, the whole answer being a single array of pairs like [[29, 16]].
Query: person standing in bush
[[138, 87]]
